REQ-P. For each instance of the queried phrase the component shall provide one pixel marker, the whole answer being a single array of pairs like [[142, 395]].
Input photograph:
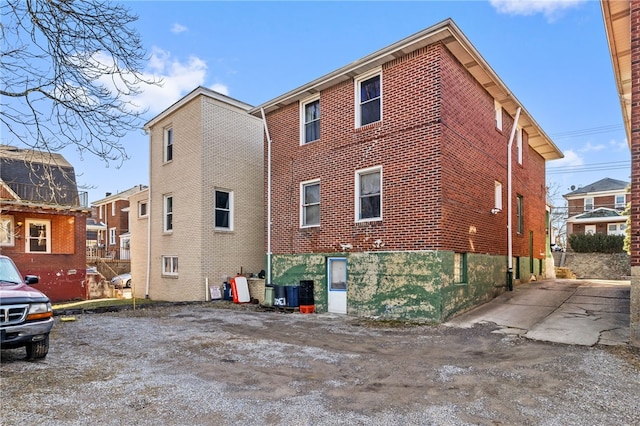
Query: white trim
[[358, 173], [498, 116], [612, 192], [165, 197], [8, 228], [173, 266], [519, 147], [497, 195], [303, 104], [593, 204], [302, 204], [231, 209], [357, 81], [27, 237]]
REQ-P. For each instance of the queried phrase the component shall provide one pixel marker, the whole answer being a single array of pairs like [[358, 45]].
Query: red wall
[[440, 153]]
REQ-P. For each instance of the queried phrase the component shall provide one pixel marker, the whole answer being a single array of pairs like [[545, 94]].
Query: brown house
[[598, 208], [391, 185], [43, 220]]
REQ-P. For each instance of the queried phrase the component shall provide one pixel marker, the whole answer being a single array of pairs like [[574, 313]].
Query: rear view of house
[[43, 220], [391, 183], [205, 197]]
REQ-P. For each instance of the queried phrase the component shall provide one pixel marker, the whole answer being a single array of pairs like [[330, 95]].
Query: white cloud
[[591, 148], [220, 88], [619, 145], [549, 8], [178, 28], [178, 78], [571, 158]]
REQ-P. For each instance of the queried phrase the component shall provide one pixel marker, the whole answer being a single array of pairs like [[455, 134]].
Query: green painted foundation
[[415, 285]]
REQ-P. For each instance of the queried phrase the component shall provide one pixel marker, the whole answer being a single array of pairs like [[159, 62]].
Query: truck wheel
[[38, 350]]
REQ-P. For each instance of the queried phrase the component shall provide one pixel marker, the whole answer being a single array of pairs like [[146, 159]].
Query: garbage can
[[292, 295], [268, 295]]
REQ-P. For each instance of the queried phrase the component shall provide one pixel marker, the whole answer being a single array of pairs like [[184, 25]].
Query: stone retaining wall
[[603, 266]]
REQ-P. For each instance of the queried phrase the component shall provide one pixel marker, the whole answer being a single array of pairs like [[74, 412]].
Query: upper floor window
[[520, 214], [588, 204], [310, 203], [7, 231], [519, 145], [498, 110], [620, 201], [142, 208], [38, 236], [168, 144], [310, 120], [168, 213], [497, 196], [368, 99], [369, 194], [223, 210], [113, 208], [112, 236]]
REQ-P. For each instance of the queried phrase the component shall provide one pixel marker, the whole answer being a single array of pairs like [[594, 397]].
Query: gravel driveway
[[221, 364]]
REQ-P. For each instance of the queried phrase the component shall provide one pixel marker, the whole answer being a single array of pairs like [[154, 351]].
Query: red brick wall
[[438, 177], [576, 206], [61, 272], [635, 134]]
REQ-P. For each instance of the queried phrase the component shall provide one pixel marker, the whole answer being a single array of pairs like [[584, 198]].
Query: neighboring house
[[390, 182], [113, 212], [205, 196], [95, 231], [598, 208], [622, 25], [43, 220]]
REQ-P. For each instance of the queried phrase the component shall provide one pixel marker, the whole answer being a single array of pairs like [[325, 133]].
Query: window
[[310, 120], [38, 236], [497, 203], [368, 100], [142, 208], [519, 145], [590, 229], [310, 203], [100, 211], [168, 144], [113, 208], [588, 204], [498, 109], [168, 213], [369, 194], [616, 229], [459, 267], [170, 265], [621, 201], [112, 236], [223, 210], [7, 231], [520, 214]]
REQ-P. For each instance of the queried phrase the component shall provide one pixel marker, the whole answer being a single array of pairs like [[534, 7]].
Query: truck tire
[[38, 350]]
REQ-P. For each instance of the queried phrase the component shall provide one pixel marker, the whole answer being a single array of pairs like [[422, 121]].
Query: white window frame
[[618, 228], [358, 81], [167, 214], [230, 210], [586, 204], [28, 238], [167, 154], [304, 204], [303, 116], [497, 195], [100, 211], [498, 111], [113, 208], [169, 266], [519, 144], [112, 236], [358, 174], [520, 214], [146, 209], [7, 231], [620, 205], [590, 229]]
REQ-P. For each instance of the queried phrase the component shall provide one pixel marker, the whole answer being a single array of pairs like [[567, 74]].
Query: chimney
[[108, 194]]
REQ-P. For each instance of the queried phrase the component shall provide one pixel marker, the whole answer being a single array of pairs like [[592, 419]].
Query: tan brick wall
[[139, 243], [215, 145]]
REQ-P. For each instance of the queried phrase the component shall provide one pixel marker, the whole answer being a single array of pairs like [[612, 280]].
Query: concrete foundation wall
[[399, 285]]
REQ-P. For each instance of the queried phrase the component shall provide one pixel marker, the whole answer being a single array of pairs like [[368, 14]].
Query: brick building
[[598, 208], [389, 182], [205, 196], [43, 220]]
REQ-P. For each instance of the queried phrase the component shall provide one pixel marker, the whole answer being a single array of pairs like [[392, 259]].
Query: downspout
[[510, 205], [266, 129]]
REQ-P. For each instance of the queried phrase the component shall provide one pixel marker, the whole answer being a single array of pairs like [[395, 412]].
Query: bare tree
[[558, 215], [70, 70]]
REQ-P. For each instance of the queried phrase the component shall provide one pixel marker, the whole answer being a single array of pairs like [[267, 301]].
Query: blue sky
[[552, 54]]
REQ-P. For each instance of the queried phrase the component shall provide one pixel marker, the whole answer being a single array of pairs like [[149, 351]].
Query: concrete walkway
[[575, 312]]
